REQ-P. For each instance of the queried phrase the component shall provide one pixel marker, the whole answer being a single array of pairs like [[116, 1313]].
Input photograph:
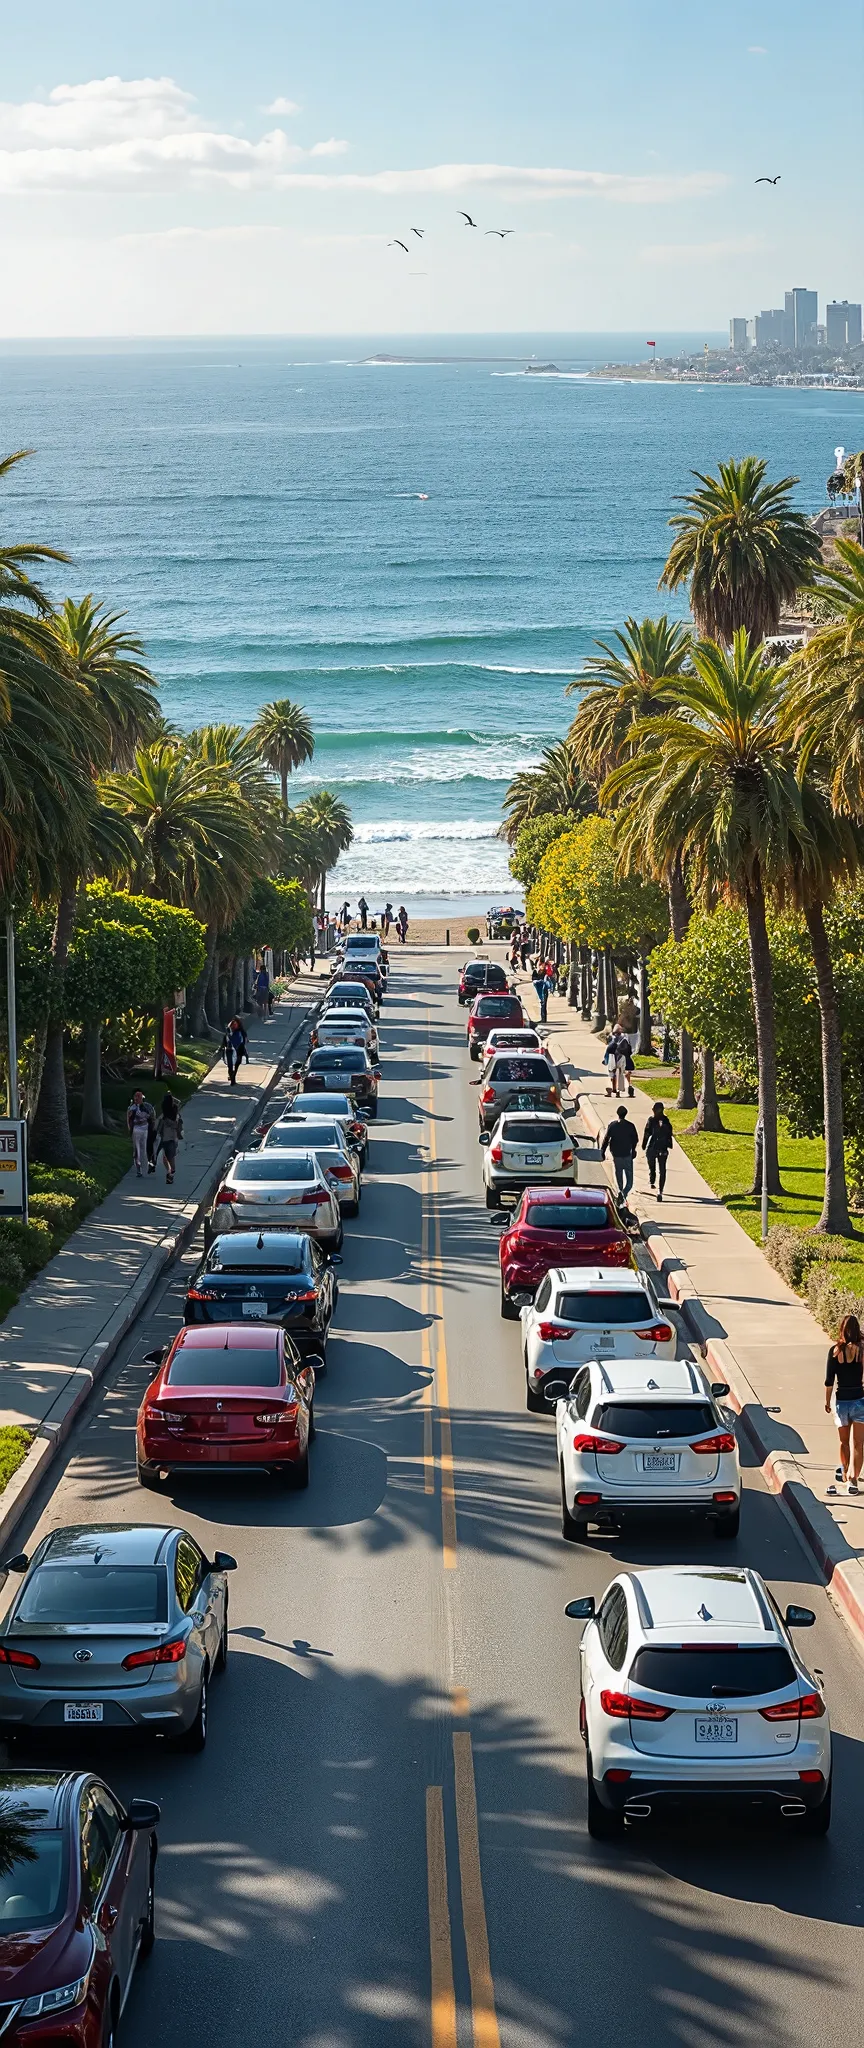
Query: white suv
[[528, 1148], [582, 1312], [645, 1440], [692, 1694]]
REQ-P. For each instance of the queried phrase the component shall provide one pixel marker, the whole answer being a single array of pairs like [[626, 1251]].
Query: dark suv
[[479, 975]]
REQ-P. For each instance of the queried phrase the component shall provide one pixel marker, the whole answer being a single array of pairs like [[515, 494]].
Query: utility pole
[[11, 1021]]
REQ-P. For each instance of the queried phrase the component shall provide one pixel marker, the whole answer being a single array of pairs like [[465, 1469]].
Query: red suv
[[486, 1013], [558, 1227]]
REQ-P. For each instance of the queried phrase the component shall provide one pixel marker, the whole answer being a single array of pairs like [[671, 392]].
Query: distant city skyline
[[796, 325]]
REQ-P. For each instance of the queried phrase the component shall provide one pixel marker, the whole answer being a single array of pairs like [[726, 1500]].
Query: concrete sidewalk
[[60, 1336], [756, 1332]]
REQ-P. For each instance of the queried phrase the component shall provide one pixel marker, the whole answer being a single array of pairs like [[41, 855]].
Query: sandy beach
[[432, 931]]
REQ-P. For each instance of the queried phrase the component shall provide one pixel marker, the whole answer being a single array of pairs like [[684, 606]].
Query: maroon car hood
[[42, 1960]]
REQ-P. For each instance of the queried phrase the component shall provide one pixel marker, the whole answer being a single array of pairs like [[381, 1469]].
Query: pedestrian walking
[[402, 923], [621, 1140], [657, 1142], [386, 919], [514, 955], [540, 986], [524, 946], [235, 1047], [262, 988], [844, 1381], [363, 908], [618, 1059], [141, 1124], [169, 1131], [345, 915]]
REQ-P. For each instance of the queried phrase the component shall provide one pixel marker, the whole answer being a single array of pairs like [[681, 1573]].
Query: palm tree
[[853, 480], [556, 786], [108, 666], [282, 736], [833, 855], [714, 778], [824, 709], [328, 820], [743, 549]]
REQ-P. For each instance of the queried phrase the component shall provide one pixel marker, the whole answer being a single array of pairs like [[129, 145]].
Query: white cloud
[[280, 106], [756, 50], [702, 252], [115, 135]]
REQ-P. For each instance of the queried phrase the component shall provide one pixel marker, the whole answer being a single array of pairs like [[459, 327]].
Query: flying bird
[[499, 231], [396, 244], [418, 231], [768, 181], [469, 223]]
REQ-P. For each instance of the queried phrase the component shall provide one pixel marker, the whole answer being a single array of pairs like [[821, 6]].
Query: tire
[[571, 1530], [148, 1931], [372, 1108], [209, 1234], [726, 1529], [472, 1055], [492, 1201], [350, 1209], [817, 1820], [296, 1477], [194, 1738], [534, 1403], [148, 1476], [509, 1310], [603, 1826], [109, 2023]]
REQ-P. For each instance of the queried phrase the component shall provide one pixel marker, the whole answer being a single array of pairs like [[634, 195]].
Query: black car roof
[[109, 1543]]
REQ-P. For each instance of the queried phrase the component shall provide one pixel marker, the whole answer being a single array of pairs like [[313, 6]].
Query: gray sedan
[[114, 1627]]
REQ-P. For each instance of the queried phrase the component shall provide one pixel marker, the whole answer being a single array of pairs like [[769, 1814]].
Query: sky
[[204, 167]]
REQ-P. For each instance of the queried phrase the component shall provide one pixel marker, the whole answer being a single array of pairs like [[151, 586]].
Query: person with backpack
[[235, 1047], [141, 1124], [621, 1140], [657, 1142], [169, 1131]]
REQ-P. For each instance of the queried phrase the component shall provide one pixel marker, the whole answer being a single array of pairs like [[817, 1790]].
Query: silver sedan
[[114, 1627]]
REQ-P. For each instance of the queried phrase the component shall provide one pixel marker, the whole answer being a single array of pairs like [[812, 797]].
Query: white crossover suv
[[693, 1694], [642, 1439], [582, 1312]]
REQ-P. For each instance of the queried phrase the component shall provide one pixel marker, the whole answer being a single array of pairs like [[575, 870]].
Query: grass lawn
[[14, 1445]]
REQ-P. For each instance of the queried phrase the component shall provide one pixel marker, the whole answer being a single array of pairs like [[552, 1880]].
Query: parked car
[[693, 1696], [642, 1440], [345, 1027], [284, 1190], [347, 1069], [272, 1276], [489, 1010], [339, 1162], [519, 1081], [526, 1149], [591, 1312], [327, 1102], [231, 1398], [116, 1626], [76, 1912], [558, 1227], [477, 975]]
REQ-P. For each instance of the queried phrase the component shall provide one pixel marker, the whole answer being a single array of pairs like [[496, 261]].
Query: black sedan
[[268, 1276]]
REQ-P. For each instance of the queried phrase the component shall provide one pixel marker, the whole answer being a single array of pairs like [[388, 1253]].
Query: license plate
[[254, 1308], [717, 1728], [82, 1710], [662, 1461], [533, 1158]]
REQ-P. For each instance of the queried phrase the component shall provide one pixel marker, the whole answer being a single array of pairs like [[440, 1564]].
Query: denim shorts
[[850, 1411]]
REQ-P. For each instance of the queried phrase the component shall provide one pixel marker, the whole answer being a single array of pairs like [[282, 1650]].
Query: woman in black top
[[844, 1376]]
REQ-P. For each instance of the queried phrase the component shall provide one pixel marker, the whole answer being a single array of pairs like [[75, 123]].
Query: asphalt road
[[385, 1840]]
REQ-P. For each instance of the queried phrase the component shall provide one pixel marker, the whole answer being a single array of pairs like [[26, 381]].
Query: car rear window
[[33, 1886], [273, 1257], [88, 1594], [606, 1310], [496, 1006], [274, 1165], [336, 1105], [303, 1134], [476, 972], [338, 1060], [541, 1131], [656, 1418], [195, 1365], [349, 992], [714, 1673], [520, 1068], [568, 1216]]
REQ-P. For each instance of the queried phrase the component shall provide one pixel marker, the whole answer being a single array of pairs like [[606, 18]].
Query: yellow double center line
[[483, 2015], [433, 1354]]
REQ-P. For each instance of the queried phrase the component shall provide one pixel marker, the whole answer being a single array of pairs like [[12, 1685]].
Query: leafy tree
[[824, 708], [582, 895], [111, 968], [282, 736], [327, 821], [556, 786], [743, 549], [532, 842], [274, 914], [617, 686]]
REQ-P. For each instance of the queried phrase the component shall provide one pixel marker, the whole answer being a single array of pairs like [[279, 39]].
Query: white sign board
[[13, 1167]]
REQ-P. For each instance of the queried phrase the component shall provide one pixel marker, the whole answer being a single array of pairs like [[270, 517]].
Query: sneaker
[[659, 1197], [839, 1474], [852, 1486], [631, 1091]]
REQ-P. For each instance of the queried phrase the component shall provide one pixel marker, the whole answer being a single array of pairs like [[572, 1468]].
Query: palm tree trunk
[[197, 1003], [707, 1116], [283, 777], [212, 996], [92, 1113], [680, 912], [599, 1015], [762, 984], [835, 1204], [50, 1132], [587, 984], [611, 985], [644, 1007], [573, 979]]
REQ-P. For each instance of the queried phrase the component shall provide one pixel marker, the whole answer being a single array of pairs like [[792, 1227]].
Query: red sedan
[[487, 1013], [558, 1227], [76, 1908], [227, 1395]]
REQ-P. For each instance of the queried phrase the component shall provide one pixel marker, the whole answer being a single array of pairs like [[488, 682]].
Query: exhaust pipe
[[637, 1811], [793, 1809]]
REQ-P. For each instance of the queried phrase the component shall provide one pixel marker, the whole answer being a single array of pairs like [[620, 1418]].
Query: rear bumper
[[608, 1511], [516, 1183], [641, 1798], [209, 1457], [165, 1701]]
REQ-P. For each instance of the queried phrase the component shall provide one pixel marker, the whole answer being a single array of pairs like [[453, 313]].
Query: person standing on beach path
[[235, 1047], [540, 986], [621, 1140], [345, 915], [262, 989], [386, 919], [844, 1378], [363, 908], [402, 924], [657, 1142], [141, 1123], [524, 945], [169, 1131]]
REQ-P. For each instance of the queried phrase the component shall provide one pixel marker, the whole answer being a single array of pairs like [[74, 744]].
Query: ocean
[[422, 552]]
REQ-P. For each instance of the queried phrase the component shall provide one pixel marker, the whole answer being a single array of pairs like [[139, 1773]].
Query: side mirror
[[499, 1219], [563, 1077], [799, 1617], [143, 1813], [581, 1610], [485, 1138], [295, 1071], [334, 1259], [667, 1306], [224, 1562], [20, 1563], [156, 1357], [719, 1388]]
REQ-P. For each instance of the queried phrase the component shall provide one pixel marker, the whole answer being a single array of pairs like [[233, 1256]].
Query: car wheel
[[296, 1477], [340, 1239], [194, 1738], [472, 1055], [148, 1476], [109, 2023], [817, 1820], [603, 1825], [728, 1526], [571, 1530], [351, 1208], [223, 1639], [492, 1200], [148, 1930], [209, 1235], [372, 1107], [534, 1402], [508, 1308]]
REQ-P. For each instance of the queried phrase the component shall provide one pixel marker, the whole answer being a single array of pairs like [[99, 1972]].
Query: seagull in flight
[[469, 223], [500, 231], [418, 231], [768, 181], [399, 245]]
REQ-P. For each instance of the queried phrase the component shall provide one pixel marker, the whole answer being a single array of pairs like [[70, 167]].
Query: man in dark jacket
[[235, 1047], [621, 1139], [657, 1142]]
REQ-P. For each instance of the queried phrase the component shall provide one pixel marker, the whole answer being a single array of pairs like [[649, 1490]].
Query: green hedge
[[30, 1241], [11, 1269], [61, 1211], [805, 1258]]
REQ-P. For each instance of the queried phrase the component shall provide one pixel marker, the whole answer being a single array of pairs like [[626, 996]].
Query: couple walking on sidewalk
[[151, 1134], [621, 1141]]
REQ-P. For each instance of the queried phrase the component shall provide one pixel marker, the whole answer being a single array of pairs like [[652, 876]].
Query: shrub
[[794, 1252], [829, 1302], [473, 933], [31, 1241], [60, 1211], [11, 1269]]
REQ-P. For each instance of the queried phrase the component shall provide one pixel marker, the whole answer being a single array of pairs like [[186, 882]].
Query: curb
[[57, 1423], [783, 1475]]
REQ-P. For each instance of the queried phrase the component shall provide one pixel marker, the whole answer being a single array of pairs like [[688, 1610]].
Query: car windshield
[[33, 1887], [196, 1365], [337, 1061], [606, 1309], [273, 1255], [568, 1216], [655, 1418], [540, 1131], [520, 1069], [714, 1673], [275, 1167], [303, 1134], [496, 1006], [87, 1594]]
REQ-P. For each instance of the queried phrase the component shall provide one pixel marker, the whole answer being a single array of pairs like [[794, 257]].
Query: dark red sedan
[[488, 1013], [227, 1396], [558, 1227], [76, 1908]]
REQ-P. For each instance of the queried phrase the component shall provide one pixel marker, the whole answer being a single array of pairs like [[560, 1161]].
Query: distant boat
[[542, 370]]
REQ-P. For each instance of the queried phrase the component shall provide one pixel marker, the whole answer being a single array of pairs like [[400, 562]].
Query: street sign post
[[13, 1167]]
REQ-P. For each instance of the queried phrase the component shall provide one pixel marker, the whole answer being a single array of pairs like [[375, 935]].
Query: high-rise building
[[843, 324], [802, 313], [738, 335], [771, 328]]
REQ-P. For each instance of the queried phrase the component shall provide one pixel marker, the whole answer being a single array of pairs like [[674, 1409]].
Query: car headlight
[[44, 2002]]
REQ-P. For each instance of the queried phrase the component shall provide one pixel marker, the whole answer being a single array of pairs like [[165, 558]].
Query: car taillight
[[567, 1156], [608, 1446], [309, 1295], [552, 1095], [317, 1196], [196, 1294], [809, 1707], [810, 1778], [488, 1095], [154, 1415], [553, 1333], [225, 1195], [23, 1657], [709, 1445], [342, 1172], [622, 1706], [267, 1420], [659, 1333], [496, 1155], [162, 1653], [472, 1023]]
